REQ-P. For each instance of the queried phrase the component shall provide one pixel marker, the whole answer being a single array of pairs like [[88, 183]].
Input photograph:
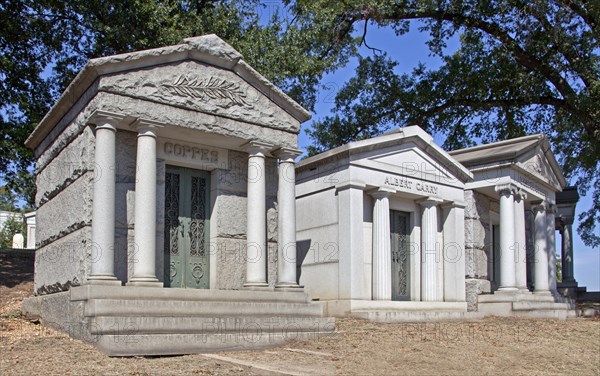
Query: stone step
[[383, 316], [178, 308], [122, 325], [497, 298], [561, 314], [529, 306], [176, 344], [87, 292]]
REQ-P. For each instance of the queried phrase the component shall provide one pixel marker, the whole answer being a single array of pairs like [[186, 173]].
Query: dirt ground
[[491, 347]]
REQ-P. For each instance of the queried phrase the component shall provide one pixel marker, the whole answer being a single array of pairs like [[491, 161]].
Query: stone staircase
[[525, 305], [401, 311], [127, 321]]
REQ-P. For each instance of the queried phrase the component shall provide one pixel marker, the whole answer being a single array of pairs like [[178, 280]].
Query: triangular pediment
[[200, 87], [409, 151], [538, 164], [202, 74], [411, 161]]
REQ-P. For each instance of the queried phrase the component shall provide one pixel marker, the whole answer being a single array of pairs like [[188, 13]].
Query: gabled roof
[[396, 137], [209, 49], [511, 151]]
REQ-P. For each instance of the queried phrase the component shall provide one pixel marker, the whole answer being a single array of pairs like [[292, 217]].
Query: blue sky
[[409, 50]]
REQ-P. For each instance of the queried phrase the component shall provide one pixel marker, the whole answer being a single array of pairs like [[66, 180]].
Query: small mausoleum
[[510, 222], [165, 185], [395, 229], [380, 229]]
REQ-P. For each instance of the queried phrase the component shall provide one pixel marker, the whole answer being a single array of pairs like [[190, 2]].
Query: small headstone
[[18, 241]]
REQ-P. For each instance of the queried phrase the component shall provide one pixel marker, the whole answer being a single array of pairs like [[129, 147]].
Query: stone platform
[[525, 304], [399, 311], [128, 321]]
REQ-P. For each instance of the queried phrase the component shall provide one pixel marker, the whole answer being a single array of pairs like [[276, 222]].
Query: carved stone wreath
[[211, 88]]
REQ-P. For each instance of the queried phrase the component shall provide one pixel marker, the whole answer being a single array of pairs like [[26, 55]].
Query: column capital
[[381, 192], [146, 127], [430, 202], [287, 154], [506, 188], [538, 206], [105, 119], [257, 148], [520, 194]]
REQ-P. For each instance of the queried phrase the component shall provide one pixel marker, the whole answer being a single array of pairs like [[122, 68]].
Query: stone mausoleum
[[172, 218], [395, 229], [163, 181]]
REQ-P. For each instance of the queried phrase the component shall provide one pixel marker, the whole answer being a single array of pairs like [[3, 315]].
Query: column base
[[257, 286], [145, 282], [524, 290], [289, 287], [546, 292], [105, 281], [507, 289]]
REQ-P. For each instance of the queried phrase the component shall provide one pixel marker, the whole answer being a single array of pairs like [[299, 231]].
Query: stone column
[[430, 252], [102, 268], [256, 230], [520, 243], [551, 244], [286, 217], [568, 277], [144, 256], [382, 254], [507, 238], [541, 250]]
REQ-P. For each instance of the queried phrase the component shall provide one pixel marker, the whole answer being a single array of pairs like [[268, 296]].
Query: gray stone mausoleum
[[172, 218], [159, 198]]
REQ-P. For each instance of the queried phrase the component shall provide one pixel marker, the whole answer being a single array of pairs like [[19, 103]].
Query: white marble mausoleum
[[393, 228]]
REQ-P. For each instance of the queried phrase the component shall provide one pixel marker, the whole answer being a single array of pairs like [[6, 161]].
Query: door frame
[[188, 172]]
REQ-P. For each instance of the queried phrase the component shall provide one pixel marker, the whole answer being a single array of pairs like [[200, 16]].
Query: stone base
[[104, 282], [396, 311], [127, 321], [539, 305]]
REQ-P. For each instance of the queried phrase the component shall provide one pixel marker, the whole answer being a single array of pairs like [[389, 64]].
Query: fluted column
[[382, 254], [430, 251], [144, 257], [541, 250], [520, 243], [551, 244], [256, 230], [102, 267], [507, 238], [568, 277], [286, 217]]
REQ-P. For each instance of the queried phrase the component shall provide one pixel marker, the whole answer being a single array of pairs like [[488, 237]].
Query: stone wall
[[64, 179], [478, 239]]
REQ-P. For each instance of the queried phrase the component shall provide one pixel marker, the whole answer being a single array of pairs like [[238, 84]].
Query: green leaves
[[522, 67]]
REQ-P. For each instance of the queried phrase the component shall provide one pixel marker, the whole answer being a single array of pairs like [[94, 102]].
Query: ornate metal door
[[186, 245], [399, 231]]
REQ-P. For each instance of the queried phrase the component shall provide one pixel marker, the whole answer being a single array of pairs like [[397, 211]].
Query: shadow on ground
[[16, 267]]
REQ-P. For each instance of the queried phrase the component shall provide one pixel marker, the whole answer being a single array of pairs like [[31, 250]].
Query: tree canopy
[[522, 67]]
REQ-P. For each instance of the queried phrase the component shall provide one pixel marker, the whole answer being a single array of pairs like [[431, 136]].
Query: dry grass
[[492, 347]]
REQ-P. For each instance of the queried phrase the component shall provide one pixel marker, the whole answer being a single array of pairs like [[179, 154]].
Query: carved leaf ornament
[[213, 88]]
